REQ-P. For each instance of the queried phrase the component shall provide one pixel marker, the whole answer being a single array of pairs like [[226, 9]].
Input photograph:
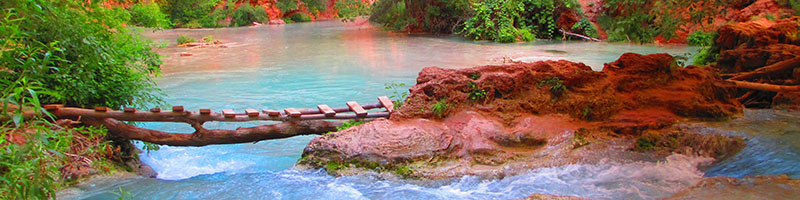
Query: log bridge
[[293, 122]]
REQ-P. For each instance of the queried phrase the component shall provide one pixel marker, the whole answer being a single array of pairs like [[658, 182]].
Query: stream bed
[[330, 62]]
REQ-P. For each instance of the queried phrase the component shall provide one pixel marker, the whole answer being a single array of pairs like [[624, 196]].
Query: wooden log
[[205, 111], [765, 87], [100, 109], [292, 112], [228, 113], [177, 108], [52, 107], [155, 110], [580, 36], [251, 112], [763, 71], [129, 110], [273, 113], [360, 112], [327, 110], [202, 136], [386, 103]]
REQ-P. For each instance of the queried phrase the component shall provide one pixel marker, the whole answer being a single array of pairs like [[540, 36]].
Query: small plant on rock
[[440, 108], [183, 39], [476, 93], [557, 87]]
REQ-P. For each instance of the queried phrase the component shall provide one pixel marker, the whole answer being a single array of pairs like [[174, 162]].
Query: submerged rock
[[495, 121], [762, 187]]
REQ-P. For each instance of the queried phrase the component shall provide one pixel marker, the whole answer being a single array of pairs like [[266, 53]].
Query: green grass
[[183, 39], [440, 108]]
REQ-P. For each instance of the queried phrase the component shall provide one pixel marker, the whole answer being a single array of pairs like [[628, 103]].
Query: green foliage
[[645, 143], [475, 76], [557, 87], [31, 170], [208, 39], [476, 93], [150, 147], [350, 9], [628, 20], [391, 15], [300, 17], [183, 39], [122, 194], [286, 5], [397, 97], [510, 21], [706, 56], [80, 52], [586, 27], [700, 38], [315, 5], [440, 108], [25, 96], [437, 16], [403, 171], [246, 14], [149, 15], [793, 4], [185, 11], [349, 124]]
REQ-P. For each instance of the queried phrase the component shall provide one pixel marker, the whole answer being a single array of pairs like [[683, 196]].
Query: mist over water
[[330, 62]]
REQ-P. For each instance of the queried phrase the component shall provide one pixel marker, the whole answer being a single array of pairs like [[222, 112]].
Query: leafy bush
[[246, 14], [397, 96], [391, 15], [183, 39], [476, 93], [300, 17], [149, 15], [586, 27], [350, 9], [557, 87], [79, 51], [440, 107], [437, 16], [700, 38], [707, 55], [188, 13], [286, 5], [510, 21]]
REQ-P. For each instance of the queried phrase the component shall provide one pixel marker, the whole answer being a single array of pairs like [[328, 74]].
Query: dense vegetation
[[70, 52], [498, 20]]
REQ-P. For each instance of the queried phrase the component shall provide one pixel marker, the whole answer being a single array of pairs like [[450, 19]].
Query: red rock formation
[[746, 47], [507, 117]]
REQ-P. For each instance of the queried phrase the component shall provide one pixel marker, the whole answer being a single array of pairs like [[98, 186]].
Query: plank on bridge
[[292, 112], [251, 112], [327, 110], [386, 103], [228, 113], [272, 113], [356, 108]]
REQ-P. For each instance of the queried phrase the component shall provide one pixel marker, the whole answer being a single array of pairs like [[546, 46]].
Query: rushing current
[[330, 62]]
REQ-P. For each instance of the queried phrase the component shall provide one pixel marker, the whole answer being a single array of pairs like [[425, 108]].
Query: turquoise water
[[302, 65]]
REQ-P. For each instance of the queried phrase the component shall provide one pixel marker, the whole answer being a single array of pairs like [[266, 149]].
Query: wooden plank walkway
[[354, 110]]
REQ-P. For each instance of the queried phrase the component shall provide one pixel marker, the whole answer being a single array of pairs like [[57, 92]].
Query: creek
[[330, 62]]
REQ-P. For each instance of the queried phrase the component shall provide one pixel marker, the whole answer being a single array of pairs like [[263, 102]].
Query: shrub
[[557, 87], [79, 51], [149, 15], [246, 14], [586, 27], [188, 13], [700, 38], [397, 96], [510, 21], [286, 5], [391, 15], [350, 9], [300, 17], [440, 108], [183, 39]]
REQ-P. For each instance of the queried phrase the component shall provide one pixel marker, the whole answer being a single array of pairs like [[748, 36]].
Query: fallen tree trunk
[[580, 36], [765, 87], [763, 71], [203, 137]]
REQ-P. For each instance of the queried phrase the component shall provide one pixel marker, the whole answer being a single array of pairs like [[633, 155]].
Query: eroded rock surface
[[495, 121]]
